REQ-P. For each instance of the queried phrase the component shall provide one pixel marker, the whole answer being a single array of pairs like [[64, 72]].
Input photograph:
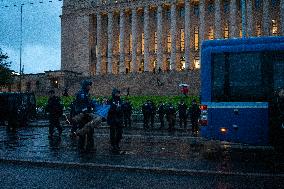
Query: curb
[[125, 168]]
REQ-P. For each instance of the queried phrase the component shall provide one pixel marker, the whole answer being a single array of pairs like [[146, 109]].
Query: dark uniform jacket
[[127, 108], [182, 107], [194, 112], [115, 114], [54, 107], [161, 110]]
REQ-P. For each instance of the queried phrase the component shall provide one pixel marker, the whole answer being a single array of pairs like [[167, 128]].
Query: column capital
[[146, 8], [159, 8]]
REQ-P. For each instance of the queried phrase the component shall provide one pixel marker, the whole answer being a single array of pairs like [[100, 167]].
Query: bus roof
[[242, 41]]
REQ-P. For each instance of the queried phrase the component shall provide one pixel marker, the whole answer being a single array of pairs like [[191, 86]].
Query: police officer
[[161, 111], [127, 112], [55, 110], [153, 113], [83, 99], [146, 111], [182, 108], [115, 120], [83, 109], [194, 113], [171, 116]]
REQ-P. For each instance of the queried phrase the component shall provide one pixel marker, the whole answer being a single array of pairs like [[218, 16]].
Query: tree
[[5, 71]]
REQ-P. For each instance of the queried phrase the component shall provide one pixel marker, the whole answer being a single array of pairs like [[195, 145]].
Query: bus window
[[246, 77]]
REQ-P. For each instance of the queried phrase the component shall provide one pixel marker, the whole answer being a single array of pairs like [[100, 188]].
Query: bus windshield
[[246, 76]]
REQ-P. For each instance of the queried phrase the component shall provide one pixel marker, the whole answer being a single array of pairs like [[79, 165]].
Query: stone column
[[249, 19], [281, 17], [265, 18], [99, 50], [173, 36], [110, 39], [233, 28], [146, 39], [121, 44], [134, 40], [202, 24], [187, 33], [218, 20], [160, 37]]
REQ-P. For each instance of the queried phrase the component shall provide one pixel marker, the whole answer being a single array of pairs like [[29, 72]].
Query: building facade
[[131, 36], [41, 83]]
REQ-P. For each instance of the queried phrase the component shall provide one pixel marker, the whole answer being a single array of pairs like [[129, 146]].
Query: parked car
[[17, 108]]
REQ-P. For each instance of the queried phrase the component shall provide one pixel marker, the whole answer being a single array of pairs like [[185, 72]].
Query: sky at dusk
[[41, 34]]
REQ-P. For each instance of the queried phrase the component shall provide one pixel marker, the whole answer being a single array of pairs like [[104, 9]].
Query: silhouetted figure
[[65, 93], [182, 108], [146, 111], [171, 116], [55, 110], [194, 113], [127, 112], [162, 112], [115, 120]]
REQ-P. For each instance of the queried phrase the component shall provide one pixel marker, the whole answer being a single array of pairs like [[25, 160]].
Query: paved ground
[[33, 176], [153, 151]]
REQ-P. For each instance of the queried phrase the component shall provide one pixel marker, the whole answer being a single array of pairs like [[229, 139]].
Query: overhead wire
[[4, 5]]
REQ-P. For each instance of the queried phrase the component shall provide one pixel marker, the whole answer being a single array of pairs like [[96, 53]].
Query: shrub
[[136, 101]]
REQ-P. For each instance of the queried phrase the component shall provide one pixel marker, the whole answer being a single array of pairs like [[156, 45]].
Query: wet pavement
[[153, 150]]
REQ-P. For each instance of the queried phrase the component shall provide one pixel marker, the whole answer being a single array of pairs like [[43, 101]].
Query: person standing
[[184, 90], [65, 93], [115, 120], [55, 110], [194, 112], [171, 117], [146, 111], [152, 113], [182, 108], [127, 112], [161, 112], [83, 117]]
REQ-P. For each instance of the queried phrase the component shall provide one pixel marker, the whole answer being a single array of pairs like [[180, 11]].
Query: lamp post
[[21, 47]]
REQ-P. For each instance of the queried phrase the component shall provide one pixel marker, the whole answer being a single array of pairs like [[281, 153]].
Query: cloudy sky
[[41, 34]]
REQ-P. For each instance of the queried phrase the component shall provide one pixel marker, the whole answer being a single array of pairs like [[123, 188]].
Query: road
[[26, 176]]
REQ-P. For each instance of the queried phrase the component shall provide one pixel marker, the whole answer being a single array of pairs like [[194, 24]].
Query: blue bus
[[239, 78]]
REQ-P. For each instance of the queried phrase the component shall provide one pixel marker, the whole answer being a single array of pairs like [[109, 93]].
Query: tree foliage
[[5, 71]]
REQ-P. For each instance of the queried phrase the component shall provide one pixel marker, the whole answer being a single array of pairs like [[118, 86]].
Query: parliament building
[[133, 36]]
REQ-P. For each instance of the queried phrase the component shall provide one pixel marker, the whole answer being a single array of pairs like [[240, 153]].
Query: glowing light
[[223, 130]]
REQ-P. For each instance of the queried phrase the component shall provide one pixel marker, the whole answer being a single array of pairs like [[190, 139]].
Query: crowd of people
[[168, 112], [84, 119], [119, 113]]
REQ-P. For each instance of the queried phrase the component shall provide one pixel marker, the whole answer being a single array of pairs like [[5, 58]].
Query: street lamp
[[21, 43]]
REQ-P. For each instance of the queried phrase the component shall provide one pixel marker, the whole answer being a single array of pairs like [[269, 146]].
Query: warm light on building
[[151, 26]]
